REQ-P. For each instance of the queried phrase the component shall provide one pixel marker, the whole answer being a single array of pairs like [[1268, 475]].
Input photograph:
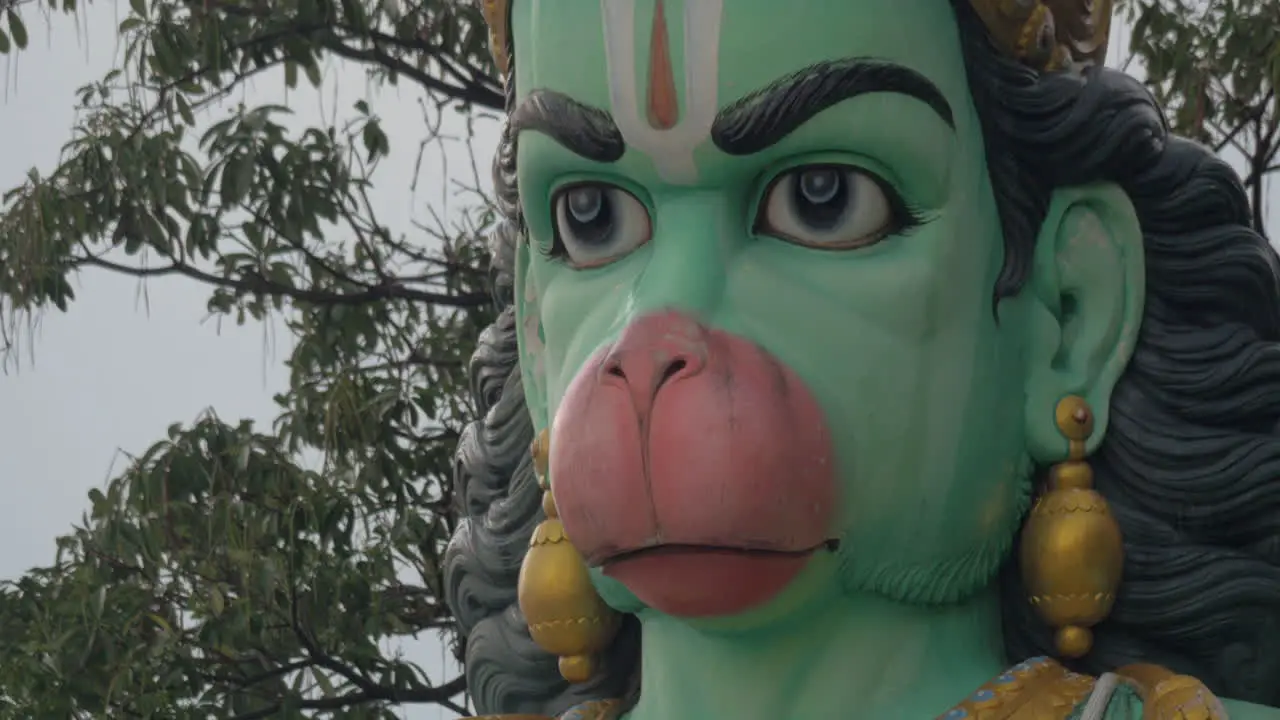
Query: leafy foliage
[[219, 579], [229, 572], [1215, 67]]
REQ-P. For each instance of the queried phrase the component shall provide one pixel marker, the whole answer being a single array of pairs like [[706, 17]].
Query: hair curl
[[1189, 463]]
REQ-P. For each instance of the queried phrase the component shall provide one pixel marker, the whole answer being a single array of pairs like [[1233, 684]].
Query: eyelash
[[907, 217], [557, 250]]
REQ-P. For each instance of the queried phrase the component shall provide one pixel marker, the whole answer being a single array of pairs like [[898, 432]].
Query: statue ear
[[1087, 291], [529, 335]]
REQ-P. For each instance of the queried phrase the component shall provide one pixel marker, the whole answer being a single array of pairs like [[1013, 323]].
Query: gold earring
[[566, 616], [1072, 552]]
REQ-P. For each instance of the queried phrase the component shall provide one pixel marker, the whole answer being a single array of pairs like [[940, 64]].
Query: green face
[[805, 181]]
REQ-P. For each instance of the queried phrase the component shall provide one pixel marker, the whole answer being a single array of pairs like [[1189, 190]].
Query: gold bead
[[566, 616], [541, 452], [1072, 557], [1071, 475], [576, 668], [1073, 641], [1072, 552], [1074, 418]]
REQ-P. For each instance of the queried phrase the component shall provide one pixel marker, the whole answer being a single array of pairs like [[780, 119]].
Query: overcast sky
[[114, 372]]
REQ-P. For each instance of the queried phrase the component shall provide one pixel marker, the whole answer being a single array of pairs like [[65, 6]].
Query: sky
[[116, 370], [113, 373]]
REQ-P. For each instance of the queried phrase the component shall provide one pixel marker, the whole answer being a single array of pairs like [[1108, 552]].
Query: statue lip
[[650, 551], [707, 580]]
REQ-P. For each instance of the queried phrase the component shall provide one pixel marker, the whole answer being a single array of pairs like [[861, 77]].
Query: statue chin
[[693, 467]]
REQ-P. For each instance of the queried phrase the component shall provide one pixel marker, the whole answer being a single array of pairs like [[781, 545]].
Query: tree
[[231, 572], [1215, 67]]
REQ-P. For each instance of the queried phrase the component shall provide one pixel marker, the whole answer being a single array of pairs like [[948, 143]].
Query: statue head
[[798, 321]]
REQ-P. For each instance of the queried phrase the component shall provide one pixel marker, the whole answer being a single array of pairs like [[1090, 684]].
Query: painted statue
[[864, 359]]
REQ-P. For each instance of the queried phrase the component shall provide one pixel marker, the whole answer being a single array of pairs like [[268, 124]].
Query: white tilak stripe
[[671, 151], [620, 60]]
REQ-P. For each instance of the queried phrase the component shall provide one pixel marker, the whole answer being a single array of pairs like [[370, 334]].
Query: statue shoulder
[[1152, 691], [1135, 692], [1042, 689], [1240, 710]]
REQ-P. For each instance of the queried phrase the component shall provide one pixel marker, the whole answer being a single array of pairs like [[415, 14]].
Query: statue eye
[[597, 223], [832, 207]]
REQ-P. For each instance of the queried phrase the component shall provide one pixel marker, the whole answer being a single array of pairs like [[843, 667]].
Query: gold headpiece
[[1049, 34], [497, 15], [1043, 34]]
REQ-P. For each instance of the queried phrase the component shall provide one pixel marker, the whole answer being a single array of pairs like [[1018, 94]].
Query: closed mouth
[[675, 549]]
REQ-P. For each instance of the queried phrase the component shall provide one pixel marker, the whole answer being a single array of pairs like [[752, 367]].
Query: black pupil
[[821, 197], [589, 216]]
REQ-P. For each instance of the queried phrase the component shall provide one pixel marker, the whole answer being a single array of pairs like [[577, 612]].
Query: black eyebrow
[[581, 129], [766, 116]]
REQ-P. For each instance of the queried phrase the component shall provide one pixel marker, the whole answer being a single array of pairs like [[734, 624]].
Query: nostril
[[642, 376], [673, 368]]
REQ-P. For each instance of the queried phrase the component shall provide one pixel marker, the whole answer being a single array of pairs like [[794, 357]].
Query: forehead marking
[[664, 108], [661, 132]]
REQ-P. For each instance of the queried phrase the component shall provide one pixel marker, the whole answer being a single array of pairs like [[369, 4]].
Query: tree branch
[[252, 283], [474, 95], [440, 694]]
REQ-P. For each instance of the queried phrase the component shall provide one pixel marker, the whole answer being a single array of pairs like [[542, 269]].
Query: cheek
[[920, 387], [532, 342], [578, 313]]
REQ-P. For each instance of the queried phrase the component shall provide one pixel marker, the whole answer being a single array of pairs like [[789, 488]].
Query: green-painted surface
[[939, 407]]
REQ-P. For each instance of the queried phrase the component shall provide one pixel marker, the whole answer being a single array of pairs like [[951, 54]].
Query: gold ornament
[[1072, 552], [566, 616], [1039, 689], [1166, 694], [497, 15], [1042, 689], [1049, 34], [1043, 34]]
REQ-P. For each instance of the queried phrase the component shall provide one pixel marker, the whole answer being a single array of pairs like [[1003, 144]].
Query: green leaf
[[160, 622], [313, 74], [237, 177], [184, 109], [355, 15], [17, 29], [324, 683], [217, 603]]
